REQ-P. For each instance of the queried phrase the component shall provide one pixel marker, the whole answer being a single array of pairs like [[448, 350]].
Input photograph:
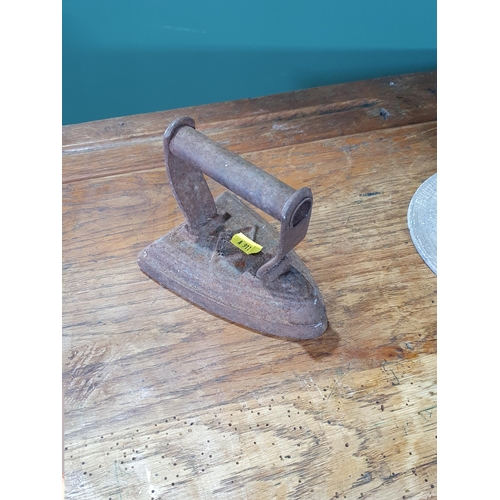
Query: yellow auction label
[[245, 244]]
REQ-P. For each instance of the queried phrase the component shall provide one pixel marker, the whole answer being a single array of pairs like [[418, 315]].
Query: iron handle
[[189, 154]]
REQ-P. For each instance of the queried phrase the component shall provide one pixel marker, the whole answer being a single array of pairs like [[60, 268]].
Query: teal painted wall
[[123, 57]]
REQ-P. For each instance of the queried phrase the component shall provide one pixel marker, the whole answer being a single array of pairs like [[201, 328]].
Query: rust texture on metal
[[272, 291]]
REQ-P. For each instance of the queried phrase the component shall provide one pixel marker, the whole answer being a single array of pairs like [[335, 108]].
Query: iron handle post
[[189, 154]]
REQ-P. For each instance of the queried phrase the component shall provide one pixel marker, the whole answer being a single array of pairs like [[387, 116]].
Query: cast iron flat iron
[[226, 258]]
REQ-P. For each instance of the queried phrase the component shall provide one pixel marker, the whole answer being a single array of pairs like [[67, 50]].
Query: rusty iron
[[271, 291]]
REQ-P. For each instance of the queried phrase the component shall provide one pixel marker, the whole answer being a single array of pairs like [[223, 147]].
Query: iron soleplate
[[221, 279]]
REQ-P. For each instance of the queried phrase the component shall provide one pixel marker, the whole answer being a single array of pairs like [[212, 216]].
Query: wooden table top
[[164, 400]]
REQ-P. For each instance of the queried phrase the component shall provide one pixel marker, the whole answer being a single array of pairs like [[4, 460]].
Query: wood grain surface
[[165, 401]]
